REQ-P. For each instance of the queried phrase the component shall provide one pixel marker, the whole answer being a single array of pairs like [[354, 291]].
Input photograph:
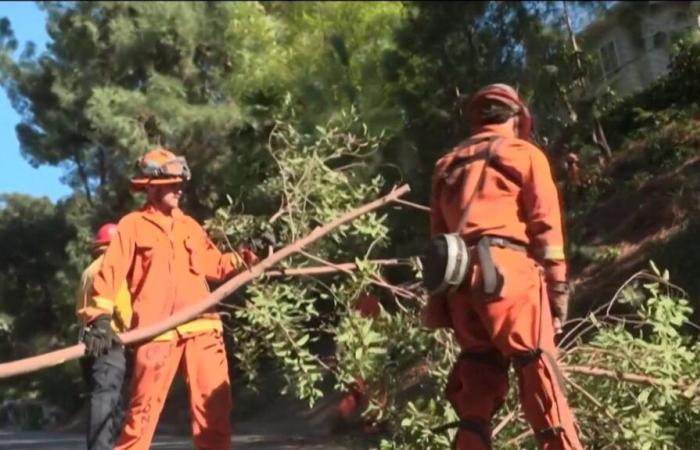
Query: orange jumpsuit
[[167, 261], [518, 201]]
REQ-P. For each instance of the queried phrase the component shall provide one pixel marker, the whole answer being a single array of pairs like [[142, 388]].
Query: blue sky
[[16, 175]]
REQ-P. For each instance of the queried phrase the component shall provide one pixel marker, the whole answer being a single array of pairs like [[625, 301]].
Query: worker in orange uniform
[[167, 259], [515, 295], [104, 368]]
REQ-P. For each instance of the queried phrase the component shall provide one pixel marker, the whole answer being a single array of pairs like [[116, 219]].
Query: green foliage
[[33, 233], [645, 336], [313, 184], [34, 300], [673, 92]]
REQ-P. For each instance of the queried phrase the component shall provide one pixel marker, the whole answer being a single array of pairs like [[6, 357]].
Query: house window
[[608, 57], [660, 39], [681, 16]]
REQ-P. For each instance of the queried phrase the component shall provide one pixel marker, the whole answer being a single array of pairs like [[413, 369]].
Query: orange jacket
[[519, 199], [166, 262]]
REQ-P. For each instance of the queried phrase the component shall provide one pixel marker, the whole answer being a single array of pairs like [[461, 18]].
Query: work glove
[[99, 336], [558, 293]]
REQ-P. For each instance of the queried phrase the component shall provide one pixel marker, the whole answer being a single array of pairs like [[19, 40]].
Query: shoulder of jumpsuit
[[129, 223], [129, 220], [517, 153], [140, 227], [444, 161], [536, 156]]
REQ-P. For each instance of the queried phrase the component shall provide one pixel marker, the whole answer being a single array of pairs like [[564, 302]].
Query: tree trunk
[[598, 133]]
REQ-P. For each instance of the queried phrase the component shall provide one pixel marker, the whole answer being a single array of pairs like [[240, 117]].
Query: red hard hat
[[104, 234], [507, 95]]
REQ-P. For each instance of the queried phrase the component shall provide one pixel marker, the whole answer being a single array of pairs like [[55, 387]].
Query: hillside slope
[[645, 205]]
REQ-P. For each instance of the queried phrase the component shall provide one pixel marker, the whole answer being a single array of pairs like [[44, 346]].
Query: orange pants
[[514, 327], [201, 358]]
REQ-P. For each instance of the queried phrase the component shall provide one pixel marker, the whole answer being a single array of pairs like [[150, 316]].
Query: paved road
[[72, 441]]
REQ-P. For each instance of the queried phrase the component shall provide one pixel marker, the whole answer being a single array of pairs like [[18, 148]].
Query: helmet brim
[[139, 184]]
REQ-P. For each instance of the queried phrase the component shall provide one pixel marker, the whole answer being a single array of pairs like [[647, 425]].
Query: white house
[[632, 42]]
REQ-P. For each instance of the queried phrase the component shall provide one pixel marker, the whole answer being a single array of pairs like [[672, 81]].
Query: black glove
[[99, 336], [260, 244]]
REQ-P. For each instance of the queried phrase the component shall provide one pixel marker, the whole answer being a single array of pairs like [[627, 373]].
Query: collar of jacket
[[161, 220], [500, 129]]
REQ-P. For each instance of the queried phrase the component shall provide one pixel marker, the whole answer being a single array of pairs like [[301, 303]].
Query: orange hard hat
[[505, 94], [160, 166], [104, 234]]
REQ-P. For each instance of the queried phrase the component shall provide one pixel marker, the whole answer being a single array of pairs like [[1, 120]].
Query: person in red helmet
[[495, 192], [167, 259], [104, 369]]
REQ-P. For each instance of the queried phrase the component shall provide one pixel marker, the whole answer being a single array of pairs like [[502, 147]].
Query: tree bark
[[598, 133], [617, 375], [83, 176]]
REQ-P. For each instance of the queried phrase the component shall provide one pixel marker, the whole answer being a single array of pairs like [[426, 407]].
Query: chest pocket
[[195, 254], [144, 253], [145, 249]]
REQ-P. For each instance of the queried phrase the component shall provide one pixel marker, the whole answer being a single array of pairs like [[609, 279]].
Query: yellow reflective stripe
[[553, 253], [200, 325], [104, 304], [195, 326], [122, 309], [167, 336]]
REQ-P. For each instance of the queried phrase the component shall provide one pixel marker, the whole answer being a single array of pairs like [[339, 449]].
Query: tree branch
[[45, 360], [505, 421], [616, 375], [83, 176], [324, 262], [333, 268], [102, 158], [413, 205]]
